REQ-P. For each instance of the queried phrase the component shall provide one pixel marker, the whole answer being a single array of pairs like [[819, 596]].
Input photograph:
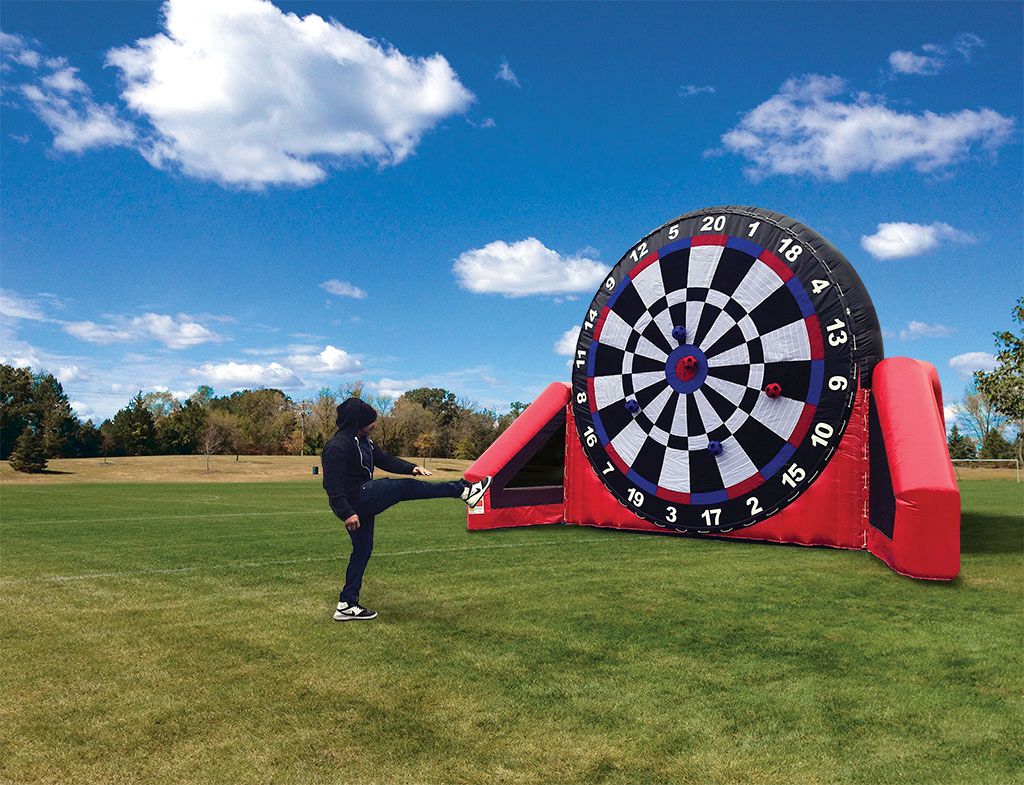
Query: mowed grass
[[182, 633]]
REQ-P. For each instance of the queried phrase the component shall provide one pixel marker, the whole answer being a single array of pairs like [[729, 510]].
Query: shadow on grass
[[991, 533]]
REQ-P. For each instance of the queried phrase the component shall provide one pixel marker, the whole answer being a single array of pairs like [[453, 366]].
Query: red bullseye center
[[686, 368]]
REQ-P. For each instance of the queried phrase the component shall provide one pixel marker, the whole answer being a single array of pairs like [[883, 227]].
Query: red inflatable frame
[[889, 488]]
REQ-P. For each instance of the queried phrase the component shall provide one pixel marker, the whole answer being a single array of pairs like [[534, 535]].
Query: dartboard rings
[[717, 368]]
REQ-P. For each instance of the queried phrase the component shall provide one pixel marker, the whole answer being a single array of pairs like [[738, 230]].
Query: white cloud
[[393, 388], [506, 74], [83, 410], [566, 344], [244, 94], [56, 95], [173, 332], [809, 128], [967, 363], [935, 58], [690, 90], [238, 375], [330, 360], [78, 123], [19, 354], [525, 267], [15, 48], [16, 307], [949, 415], [343, 289], [965, 42], [915, 330], [903, 62], [899, 239], [71, 373], [65, 81], [94, 333]]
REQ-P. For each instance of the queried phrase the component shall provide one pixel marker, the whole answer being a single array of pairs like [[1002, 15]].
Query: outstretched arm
[[390, 463]]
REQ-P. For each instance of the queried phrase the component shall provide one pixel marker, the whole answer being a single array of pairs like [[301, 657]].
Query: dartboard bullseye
[[717, 368]]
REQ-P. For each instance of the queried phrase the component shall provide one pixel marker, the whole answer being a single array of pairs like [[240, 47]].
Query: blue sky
[[428, 194]]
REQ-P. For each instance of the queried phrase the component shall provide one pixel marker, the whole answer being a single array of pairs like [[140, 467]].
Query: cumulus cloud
[[967, 363], [690, 90], [525, 267], [933, 58], [811, 128], [899, 240], [566, 344], [330, 360], [343, 289], [506, 74], [71, 373], [238, 375], [173, 332], [915, 330], [246, 95]]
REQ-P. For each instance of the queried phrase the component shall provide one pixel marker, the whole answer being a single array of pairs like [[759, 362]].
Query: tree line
[[37, 423]]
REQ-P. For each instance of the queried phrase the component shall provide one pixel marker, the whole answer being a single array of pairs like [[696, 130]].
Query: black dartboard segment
[[717, 367]]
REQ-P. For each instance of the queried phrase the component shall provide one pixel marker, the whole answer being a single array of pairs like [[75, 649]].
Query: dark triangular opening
[[536, 474]]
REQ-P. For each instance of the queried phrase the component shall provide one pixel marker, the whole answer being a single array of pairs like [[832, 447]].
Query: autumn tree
[[425, 444]]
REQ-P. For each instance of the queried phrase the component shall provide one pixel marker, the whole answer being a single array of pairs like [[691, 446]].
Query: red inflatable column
[[915, 504]]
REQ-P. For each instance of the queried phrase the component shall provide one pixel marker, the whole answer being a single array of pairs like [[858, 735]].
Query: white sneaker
[[474, 493], [353, 612]]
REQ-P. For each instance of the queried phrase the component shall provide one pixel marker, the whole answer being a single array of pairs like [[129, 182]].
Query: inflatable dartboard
[[717, 367]]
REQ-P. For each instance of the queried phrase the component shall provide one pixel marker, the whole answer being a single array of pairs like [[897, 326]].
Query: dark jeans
[[373, 498]]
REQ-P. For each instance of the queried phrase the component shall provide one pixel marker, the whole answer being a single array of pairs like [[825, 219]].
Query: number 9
[[609, 284], [837, 383]]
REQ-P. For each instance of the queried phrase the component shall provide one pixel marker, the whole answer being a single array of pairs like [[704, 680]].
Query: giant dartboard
[[717, 367]]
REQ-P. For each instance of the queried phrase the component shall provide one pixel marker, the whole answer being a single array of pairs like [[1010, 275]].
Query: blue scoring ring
[[678, 354]]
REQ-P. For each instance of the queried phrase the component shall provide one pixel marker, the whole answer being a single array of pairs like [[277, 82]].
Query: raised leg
[[375, 496]]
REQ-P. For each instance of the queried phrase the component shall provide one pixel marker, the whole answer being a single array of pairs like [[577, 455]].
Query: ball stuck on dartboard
[[683, 358]]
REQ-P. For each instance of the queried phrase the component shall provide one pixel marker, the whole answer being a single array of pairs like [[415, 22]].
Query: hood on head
[[354, 414]]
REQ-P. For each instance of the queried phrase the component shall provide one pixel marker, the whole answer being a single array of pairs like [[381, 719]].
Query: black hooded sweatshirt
[[348, 458]]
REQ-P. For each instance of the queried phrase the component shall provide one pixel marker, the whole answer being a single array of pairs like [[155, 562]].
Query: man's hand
[[421, 471], [352, 523]]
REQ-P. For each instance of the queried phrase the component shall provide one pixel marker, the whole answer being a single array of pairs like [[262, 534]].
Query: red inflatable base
[[889, 489], [830, 512]]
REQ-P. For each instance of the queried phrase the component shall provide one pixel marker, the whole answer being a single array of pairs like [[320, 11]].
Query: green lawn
[[182, 633]]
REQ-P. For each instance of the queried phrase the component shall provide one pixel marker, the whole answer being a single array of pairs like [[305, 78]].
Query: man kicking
[[355, 497]]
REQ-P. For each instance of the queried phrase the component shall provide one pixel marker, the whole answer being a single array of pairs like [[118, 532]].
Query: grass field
[[181, 633]]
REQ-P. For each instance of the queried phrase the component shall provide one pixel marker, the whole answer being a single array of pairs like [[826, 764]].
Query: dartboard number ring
[[715, 371]]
